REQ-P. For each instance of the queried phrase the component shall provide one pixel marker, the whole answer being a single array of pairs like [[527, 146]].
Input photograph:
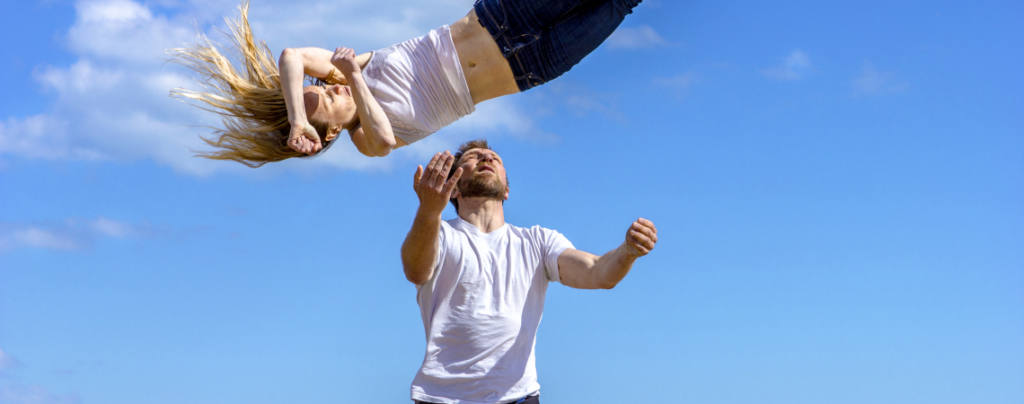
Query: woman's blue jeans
[[541, 39]]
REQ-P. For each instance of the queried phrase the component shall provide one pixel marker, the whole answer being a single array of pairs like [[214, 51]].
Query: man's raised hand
[[640, 238], [431, 185]]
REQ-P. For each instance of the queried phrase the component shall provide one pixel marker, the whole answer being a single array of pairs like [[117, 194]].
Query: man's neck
[[486, 214]]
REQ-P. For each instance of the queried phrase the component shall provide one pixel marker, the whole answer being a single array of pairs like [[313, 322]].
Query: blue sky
[[838, 189]]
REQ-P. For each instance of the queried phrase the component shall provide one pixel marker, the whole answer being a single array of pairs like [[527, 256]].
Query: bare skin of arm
[[583, 270], [303, 137], [373, 137], [420, 248]]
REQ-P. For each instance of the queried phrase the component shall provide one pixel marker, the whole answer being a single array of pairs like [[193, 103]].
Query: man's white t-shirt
[[481, 309]]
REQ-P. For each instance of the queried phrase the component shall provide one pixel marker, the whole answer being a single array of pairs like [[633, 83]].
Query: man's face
[[483, 175]]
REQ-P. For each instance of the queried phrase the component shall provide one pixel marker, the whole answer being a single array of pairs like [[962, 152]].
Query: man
[[481, 282]]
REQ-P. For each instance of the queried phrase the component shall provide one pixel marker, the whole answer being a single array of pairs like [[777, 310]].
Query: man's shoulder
[[457, 226], [450, 222], [536, 231]]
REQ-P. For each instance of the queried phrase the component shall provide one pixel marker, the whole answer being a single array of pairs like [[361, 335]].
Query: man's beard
[[482, 187]]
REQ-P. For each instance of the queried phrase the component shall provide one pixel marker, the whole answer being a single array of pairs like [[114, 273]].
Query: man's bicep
[[422, 253], [576, 269]]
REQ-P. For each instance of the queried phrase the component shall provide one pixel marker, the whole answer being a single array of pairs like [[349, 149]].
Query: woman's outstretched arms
[[373, 136]]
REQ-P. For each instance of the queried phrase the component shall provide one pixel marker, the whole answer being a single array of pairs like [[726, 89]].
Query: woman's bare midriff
[[485, 68]]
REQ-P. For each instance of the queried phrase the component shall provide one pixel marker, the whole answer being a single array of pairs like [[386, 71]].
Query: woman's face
[[331, 105]]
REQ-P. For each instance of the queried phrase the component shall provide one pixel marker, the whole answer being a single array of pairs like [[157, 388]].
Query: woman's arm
[[316, 62], [374, 136], [294, 64]]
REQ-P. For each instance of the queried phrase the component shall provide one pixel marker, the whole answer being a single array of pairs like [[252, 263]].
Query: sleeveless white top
[[419, 84]]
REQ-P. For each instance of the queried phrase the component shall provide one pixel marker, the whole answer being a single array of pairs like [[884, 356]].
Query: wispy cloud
[[871, 81], [492, 119], [35, 237], [37, 136], [679, 83], [793, 67], [17, 393], [111, 102], [585, 104], [639, 37], [7, 363], [123, 31], [583, 100], [70, 235]]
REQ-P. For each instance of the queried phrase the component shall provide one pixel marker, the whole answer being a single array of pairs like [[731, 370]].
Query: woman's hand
[[304, 139], [345, 60]]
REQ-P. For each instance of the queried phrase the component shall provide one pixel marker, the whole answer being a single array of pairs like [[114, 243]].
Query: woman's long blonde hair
[[251, 105]]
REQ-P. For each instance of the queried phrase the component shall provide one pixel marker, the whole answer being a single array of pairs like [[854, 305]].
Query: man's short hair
[[472, 144]]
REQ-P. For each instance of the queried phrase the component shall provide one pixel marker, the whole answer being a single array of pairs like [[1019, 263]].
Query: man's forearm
[[420, 247], [611, 267], [580, 269]]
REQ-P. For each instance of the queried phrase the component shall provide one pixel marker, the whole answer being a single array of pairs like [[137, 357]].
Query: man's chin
[[491, 193], [481, 187]]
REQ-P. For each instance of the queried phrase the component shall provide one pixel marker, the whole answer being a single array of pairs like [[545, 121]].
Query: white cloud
[[70, 235], [120, 12], [37, 136], [872, 81], [123, 31], [40, 238], [491, 120], [640, 37], [342, 155], [110, 228], [793, 67], [82, 77], [497, 115]]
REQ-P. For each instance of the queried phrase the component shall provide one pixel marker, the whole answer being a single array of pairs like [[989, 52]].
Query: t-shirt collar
[[464, 225]]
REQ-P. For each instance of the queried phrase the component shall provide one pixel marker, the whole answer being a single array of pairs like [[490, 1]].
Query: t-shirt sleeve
[[442, 239], [553, 244]]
